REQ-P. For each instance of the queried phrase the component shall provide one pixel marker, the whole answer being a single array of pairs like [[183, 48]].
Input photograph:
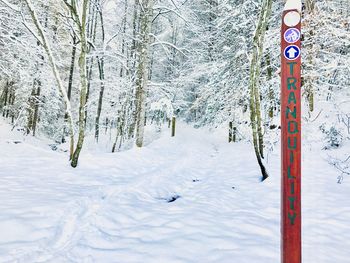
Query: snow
[[115, 207], [293, 4]]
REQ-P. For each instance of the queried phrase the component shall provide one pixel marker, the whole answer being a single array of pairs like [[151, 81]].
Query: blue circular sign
[[292, 35], [292, 52]]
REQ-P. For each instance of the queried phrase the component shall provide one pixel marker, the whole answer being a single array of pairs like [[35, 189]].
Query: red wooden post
[[291, 132]]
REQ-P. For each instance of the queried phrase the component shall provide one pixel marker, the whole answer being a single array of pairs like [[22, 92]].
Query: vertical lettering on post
[[291, 132]]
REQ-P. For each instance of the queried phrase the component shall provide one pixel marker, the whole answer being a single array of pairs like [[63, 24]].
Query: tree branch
[[11, 6]]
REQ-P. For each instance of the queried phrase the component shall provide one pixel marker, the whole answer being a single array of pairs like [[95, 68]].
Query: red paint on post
[[291, 138]]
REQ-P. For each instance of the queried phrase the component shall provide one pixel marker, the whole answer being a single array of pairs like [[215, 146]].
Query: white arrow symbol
[[291, 52]]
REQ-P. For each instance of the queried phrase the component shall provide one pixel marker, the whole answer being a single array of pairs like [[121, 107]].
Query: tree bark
[[173, 126], [142, 69], [70, 84], [36, 107], [271, 93], [33, 109], [102, 79], [132, 110], [91, 34], [100, 98], [83, 84], [3, 99], [310, 23], [255, 107]]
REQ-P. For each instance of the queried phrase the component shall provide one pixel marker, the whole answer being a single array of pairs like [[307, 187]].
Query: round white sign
[[292, 18]]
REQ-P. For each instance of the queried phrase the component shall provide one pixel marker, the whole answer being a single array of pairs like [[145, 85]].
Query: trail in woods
[[192, 198]]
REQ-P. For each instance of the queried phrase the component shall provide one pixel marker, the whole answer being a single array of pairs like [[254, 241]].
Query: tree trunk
[[142, 69], [72, 66], [70, 86], [91, 34], [6, 98], [133, 102], [36, 107], [12, 103], [102, 79], [33, 109], [3, 101], [271, 93], [173, 126], [83, 84], [124, 46], [100, 98], [310, 23], [255, 107]]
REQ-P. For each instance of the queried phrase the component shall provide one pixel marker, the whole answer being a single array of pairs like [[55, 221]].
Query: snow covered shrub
[[342, 165], [344, 120], [333, 137]]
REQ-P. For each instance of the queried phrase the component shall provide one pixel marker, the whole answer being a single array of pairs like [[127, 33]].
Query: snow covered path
[[122, 208]]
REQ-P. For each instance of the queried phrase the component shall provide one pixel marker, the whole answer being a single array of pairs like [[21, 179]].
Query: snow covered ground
[[121, 207]]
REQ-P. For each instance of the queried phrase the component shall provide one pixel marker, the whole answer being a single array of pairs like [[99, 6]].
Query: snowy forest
[[150, 130]]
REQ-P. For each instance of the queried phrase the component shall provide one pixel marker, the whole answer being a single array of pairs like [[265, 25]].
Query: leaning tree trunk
[[255, 107], [48, 50], [142, 72]]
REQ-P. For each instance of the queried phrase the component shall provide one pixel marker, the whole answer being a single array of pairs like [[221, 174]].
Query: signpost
[[291, 132]]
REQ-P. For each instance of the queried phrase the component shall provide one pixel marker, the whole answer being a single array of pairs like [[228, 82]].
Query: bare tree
[[255, 68]]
